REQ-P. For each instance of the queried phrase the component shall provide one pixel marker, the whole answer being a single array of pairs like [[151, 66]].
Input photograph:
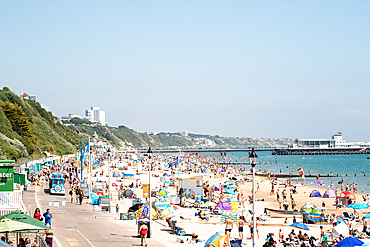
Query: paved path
[[77, 227]]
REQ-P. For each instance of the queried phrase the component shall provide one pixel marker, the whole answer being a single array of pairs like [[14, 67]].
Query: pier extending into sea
[[274, 151]]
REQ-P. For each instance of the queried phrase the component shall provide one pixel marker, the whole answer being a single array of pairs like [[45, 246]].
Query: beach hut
[[224, 205], [330, 193], [315, 193], [218, 240]]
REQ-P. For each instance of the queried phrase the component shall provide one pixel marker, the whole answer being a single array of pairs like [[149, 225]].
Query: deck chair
[[346, 216]]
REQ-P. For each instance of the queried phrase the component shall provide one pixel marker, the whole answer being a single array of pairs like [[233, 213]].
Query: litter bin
[[146, 222]]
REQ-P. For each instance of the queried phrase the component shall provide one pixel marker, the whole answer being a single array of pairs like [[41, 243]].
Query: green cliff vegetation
[[28, 131]]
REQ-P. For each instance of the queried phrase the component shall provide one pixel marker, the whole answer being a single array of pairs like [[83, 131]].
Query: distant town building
[[71, 115], [184, 133], [203, 142], [96, 115], [29, 97]]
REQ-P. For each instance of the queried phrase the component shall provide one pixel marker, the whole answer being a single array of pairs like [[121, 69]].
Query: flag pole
[[82, 159]]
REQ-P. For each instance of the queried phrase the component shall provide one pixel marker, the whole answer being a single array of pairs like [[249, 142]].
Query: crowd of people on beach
[[285, 192]]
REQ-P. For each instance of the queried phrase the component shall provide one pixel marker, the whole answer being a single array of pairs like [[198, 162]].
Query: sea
[[352, 168]]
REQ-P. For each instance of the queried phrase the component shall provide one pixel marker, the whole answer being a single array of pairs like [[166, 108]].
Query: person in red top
[[37, 214], [143, 231]]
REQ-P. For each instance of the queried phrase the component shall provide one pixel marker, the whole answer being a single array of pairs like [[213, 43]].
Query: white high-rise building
[[96, 115]]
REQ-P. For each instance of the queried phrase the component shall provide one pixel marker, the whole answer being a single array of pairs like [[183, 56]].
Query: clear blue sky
[[296, 69]]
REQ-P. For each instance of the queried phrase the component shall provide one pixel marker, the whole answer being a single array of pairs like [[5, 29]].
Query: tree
[[17, 118]]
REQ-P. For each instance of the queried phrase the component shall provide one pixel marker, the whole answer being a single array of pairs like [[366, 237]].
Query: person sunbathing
[[203, 216]]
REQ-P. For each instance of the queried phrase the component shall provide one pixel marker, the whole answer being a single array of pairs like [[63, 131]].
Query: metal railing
[[40, 241]]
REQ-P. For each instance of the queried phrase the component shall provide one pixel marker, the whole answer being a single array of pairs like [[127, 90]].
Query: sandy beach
[[192, 224]]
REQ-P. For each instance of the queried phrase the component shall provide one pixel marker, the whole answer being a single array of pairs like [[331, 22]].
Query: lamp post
[[253, 160], [109, 192], [150, 193]]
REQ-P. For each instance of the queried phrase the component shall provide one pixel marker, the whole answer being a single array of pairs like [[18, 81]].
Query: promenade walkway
[[77, 227]]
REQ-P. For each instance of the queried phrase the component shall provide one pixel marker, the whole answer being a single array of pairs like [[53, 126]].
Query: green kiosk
[[6, 175]]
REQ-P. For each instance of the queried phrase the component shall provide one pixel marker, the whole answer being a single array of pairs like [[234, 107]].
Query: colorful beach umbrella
[[358, 206], [166, 211], [145, 211], [218, 240], [163, 193], [349, 242], [175, 213], [300, 226], [348, 194]]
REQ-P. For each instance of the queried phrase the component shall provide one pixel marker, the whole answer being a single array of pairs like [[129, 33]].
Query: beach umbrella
[[145, 211], [300, 226], [135, 207], [231, 192], [19, 216], [321, 208], [218, 240], [358, 206], [8, 225], [367, 216], [163, 193], [167, 210], [348, 194], [306, 206], [229, 182], [349, 242], [173, 214]]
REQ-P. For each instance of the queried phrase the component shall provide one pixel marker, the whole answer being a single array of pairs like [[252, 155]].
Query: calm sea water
[[349, 167]]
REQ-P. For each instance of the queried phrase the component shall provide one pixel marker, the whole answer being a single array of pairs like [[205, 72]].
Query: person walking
[[143, 230], [229, 226], [48, 216], [72, 194], [241, 227], [49, 234], [78, 192], [37, 214], [81, 196], [364, 224]]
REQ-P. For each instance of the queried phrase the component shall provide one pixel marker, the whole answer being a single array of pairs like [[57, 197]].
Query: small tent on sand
[[315, 193], [330, 193]]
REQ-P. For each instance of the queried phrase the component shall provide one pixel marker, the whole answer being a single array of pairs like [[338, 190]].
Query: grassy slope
[[49, 136]]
